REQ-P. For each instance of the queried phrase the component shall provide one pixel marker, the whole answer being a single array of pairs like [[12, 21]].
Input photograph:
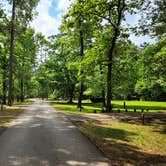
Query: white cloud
[[63, 4], [45, 23]]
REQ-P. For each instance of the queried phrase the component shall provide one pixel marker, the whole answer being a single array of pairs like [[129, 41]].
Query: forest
[[92, 56]]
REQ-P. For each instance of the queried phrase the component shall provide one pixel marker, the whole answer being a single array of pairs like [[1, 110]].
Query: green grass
[[128, 144], [72, 108], [130, 105], [153, 106]]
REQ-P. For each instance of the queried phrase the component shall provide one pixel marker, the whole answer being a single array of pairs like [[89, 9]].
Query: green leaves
[[152, 71]]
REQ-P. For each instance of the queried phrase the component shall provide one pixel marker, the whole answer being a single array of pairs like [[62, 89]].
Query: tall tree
[[23, 15], [10, 93], [113, 13], [77, 24]]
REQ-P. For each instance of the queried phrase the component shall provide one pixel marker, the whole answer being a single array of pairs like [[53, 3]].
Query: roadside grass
[[26, 101], [128, 144], [9, 113], [89, 107], [125, 141]]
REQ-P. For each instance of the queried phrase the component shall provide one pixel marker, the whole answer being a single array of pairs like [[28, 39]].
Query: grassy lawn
[[130, 105], [128, 144], [153, 106], [72, 108]]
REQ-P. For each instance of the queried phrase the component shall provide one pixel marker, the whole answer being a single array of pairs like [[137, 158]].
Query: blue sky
[[51, 11]]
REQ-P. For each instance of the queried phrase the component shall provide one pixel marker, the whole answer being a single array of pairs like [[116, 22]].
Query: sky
[[50, 17]]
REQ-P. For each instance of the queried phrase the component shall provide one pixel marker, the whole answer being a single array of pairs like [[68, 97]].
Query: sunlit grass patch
[[152, 106], [128, 144], [89, 107], [72, 108], [126, 141]]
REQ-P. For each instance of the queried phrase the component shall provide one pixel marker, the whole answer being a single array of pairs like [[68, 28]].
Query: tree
[[113, 12], [10, 94], [25, 53], [151, 85], [153, 20], [23, 15], [4, 42]]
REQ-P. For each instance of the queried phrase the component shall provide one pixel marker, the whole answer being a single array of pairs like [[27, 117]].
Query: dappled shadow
[[159, 124], [34, 160], [115, 142], [43, 137], [123, 153], [150, 119], [113, 133]]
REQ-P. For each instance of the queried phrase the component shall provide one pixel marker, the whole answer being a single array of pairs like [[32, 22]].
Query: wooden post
[[94, 111], [1, 104], [102, 110], [143, 118], [135, 110], [124, 104]]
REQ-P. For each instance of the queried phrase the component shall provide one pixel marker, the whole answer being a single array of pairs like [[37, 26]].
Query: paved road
[[42, 137]]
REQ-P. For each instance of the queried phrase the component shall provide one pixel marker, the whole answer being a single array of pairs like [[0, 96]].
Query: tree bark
[[71, 94], [10, 93], [4, 85], [4, 79], [120, 7], [103, 96], [103, 89], [79, 105], [22, 89]]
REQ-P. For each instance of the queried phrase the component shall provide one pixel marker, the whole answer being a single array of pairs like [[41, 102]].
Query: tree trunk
[[109, 72], [109, 88], [71, 94], [79, 105], [103, 96], [120, 7], [10, 93], [4, 84], [22, 89]]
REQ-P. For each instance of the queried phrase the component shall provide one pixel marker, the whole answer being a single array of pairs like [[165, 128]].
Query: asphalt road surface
[[42, 137]]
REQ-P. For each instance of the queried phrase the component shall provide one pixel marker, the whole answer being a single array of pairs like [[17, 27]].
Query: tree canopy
[[92, 57]]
